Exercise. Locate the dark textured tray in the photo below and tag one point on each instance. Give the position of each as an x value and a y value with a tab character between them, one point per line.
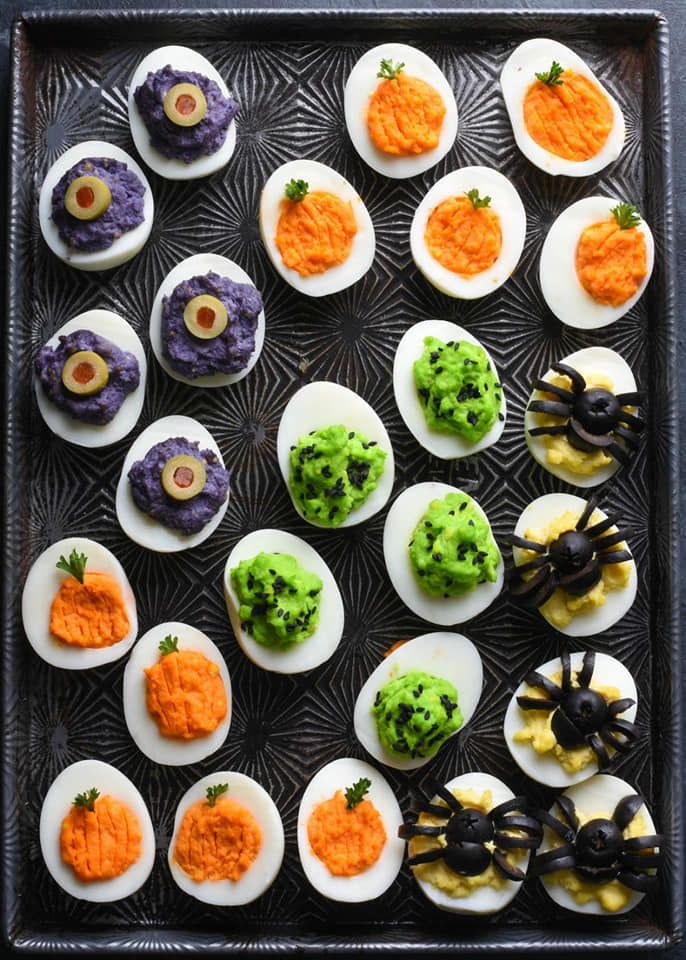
288	69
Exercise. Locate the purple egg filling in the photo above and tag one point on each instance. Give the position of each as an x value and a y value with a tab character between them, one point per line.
123	214
184	143
188	516
98	408
229	352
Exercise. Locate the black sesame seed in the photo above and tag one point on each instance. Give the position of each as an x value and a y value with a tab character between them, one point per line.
463	505
437	557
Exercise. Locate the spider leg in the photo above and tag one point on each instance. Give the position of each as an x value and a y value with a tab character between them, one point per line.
543	594
637	881
536	679
598	747
507	806
551	407
420	804
644	843
585	675
566	671
578	382
631	439
614	741
429	856
615	556
625	727
619	453
633	399
504	865
552	430
611	540
597	873
564	832
631	421
535	703
567	806
559	858
626	810
545	386
519	822
641	861
594	440
619	706
442	791
587	513
534	564
515	843
601	526
524	544
408	830
570	580
533	592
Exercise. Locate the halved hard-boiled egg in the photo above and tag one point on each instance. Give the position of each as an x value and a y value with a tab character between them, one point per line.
467	234
77	606
585	425
315	228
564	121
335	456
96	835
569	715
420	695
285	607
440	553
447	389
181	114
400	110
348	825
573	564
114	391
105	218
177	695
243	840
181	486
596	262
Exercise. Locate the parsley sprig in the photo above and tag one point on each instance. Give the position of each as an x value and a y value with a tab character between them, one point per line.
626	215
389	70
87	799
355	794
297	189
551	78
216	791
478	201
169	645
75	565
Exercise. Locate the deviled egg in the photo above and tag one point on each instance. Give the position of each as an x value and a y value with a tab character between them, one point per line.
467	234
285	607
596	261
335	456
90	379
315	228
244	840
573	564
400	110
95	207
174	489
440	676
181	114
440	553
177	695
563	119
348	825
77	606
96	835
447	389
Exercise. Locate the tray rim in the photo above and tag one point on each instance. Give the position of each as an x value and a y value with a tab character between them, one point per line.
470	938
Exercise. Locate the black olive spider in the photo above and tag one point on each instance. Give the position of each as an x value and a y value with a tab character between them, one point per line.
595	418
581	715
467	830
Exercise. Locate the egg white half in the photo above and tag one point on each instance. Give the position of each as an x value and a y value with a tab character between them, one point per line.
505	201
359	88
324	404
264	869
536	56
40	588
587	361
319	178
200	265
449	656
121	249
560	284
317	648
587	623
447	446
484	899
338	775
170	751
544	768
405	513
181	58
597	796
140	527
118	331
79	778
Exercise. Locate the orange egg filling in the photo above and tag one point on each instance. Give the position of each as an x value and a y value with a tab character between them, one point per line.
90	614
347	842
611	263
102	843
219	842
185	695
405	116
463	240
572	120
315	233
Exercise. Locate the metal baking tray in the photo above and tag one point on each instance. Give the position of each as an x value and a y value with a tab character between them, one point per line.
288	68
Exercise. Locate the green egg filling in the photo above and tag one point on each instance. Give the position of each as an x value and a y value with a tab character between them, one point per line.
457	388
415	713
333	471
278	599
452	548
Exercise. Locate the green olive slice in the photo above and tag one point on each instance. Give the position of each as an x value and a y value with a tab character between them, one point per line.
183	477
85	372
87	198
185	104
205	316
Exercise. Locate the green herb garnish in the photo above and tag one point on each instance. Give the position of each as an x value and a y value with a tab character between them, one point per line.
355	794
297	189
389	70
75	565
626	215
216	791
87	799
551	78
478	201
169	645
